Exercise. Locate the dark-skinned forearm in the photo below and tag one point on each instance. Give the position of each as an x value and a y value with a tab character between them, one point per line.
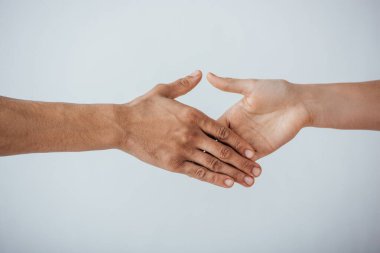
30	127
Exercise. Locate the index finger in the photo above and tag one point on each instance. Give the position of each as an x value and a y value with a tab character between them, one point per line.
227	136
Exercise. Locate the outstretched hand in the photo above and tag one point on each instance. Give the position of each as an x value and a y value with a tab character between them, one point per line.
269	115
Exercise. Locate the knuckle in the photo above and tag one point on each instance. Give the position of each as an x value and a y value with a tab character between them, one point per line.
189	136
223	133
238	144
247	165
214	164
238	176
193	135
213	179
189	151
228	79
159	86
175	164
225	152
184	82
200	173
200	119
191	114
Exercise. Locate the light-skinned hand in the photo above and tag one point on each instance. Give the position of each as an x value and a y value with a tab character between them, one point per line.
269	115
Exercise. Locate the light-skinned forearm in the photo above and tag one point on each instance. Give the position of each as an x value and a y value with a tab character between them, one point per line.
30	127
343	105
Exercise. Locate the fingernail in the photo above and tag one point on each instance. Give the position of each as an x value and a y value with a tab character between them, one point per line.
195	73
248	180
256	171
229	182
249	153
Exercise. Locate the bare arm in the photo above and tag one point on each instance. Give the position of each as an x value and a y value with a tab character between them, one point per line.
155	128
343	105
30	127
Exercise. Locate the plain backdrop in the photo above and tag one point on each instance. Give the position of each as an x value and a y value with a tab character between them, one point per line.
319	193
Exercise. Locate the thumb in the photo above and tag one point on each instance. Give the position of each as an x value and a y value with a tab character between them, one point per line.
242	86
181	86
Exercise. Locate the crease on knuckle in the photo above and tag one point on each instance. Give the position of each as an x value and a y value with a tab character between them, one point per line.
225	152
247	166
223	133
238	144
214	164
213	179
184	82
200	173
238	176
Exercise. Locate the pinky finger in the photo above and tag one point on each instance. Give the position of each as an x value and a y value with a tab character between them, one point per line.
201	173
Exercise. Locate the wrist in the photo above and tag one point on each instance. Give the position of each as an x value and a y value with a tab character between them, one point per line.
103	128
309	97
306	101
122	115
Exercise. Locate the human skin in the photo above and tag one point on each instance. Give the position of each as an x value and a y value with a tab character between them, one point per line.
154	128
272	112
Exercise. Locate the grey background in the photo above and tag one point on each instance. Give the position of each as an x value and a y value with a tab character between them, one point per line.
319	193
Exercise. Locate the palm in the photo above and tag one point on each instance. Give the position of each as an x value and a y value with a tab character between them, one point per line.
267	116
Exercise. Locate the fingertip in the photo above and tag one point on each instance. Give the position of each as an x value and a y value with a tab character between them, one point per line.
228	84
210	74
213	79
195	73
216	81
195	77
249	153
256	171
249	180
229	182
